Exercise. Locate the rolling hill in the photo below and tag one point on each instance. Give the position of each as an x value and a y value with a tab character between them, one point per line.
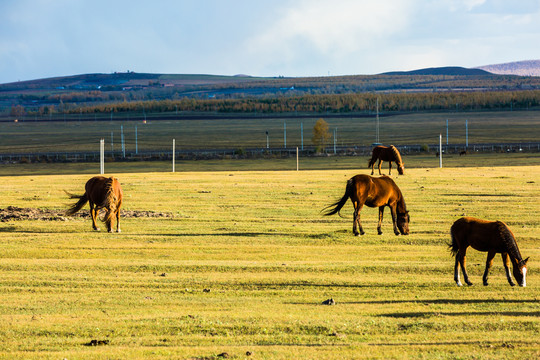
520	68
438	71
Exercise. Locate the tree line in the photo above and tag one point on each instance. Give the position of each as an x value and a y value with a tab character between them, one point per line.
310	103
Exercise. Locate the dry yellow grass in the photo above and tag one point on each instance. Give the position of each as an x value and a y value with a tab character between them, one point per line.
246	261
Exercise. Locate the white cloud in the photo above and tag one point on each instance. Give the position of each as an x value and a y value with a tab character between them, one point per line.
330	28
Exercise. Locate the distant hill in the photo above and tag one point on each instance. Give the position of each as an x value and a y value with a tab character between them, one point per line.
121	80
447	70
521	68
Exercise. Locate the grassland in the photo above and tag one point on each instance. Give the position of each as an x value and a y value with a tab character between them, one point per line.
406	129
246	261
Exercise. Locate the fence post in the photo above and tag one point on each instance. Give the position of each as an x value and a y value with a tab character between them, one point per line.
102	156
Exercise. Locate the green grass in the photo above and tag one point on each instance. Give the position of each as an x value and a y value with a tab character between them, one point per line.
407	129
247	260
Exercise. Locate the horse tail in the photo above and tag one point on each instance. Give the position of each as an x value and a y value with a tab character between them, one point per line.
336	207
453	245
83	199
397	155
374	156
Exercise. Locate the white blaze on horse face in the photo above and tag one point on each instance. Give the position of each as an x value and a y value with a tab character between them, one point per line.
524	277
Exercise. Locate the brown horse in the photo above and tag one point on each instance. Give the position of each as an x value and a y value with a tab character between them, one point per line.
374	192
489	236
101	193
386	153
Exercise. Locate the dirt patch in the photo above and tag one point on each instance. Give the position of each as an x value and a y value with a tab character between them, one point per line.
17	213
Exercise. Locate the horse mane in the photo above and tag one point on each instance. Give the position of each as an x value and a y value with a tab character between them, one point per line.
509	240
397	155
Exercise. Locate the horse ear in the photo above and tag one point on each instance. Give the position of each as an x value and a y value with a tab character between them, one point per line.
525	261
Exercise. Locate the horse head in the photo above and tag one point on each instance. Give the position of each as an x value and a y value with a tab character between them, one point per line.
401	168
520	272
403	222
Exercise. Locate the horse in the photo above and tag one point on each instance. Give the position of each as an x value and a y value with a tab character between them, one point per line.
374	192
488	236
386	153
102	193
463	152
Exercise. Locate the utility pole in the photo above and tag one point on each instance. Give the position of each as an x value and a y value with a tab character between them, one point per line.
377	124
466	134
302	134
122	139
173	151
447	132
440	150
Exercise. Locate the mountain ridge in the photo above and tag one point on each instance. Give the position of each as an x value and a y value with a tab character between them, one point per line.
520	68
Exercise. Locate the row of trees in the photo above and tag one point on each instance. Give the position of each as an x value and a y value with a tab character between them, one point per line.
336	103
342	103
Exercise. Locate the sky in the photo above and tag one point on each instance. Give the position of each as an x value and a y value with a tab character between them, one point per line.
296	38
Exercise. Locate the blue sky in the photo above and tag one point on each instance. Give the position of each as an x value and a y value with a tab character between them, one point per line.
46	38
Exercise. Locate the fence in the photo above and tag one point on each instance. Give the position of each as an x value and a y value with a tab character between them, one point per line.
196	154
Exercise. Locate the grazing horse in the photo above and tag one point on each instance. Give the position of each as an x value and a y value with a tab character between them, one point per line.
101	193
489	236
374	192
386	153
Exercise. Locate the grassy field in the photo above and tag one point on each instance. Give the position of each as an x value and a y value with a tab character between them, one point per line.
408	129
246	260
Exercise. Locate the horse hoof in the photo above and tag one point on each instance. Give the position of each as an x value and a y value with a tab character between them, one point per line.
119	230
469	283
486	284
459	284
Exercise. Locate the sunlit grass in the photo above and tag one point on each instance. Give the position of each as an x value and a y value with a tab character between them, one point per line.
246	261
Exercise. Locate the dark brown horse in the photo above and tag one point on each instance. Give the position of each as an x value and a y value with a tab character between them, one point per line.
386	153
374	192
101	193
492	237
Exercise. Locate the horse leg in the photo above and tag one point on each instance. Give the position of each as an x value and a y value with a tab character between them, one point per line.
394	219
372	166
380	163
356	220
506	262
456	271
118	220
462	262
379	225
489	262
389	168
93	215
108	221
